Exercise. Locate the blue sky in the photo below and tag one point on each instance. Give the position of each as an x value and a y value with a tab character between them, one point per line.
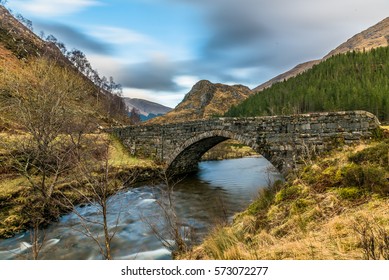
158	49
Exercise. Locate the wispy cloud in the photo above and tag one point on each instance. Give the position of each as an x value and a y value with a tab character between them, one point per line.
250	41
119	36
53	8
76	37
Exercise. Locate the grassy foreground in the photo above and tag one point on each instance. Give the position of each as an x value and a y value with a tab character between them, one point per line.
16	193
335	207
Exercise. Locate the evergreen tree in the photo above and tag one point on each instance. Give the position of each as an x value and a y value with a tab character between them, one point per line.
352	81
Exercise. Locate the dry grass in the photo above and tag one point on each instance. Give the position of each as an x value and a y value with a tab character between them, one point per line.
315	215
329	239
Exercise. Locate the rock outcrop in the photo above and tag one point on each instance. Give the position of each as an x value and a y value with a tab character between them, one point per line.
204	101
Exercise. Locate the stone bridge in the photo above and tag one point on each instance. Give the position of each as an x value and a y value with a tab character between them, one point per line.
283	140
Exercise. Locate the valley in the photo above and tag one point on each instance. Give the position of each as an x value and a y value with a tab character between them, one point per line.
62	167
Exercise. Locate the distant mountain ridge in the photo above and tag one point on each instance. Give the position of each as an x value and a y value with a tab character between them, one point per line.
145	108
373	37
205	100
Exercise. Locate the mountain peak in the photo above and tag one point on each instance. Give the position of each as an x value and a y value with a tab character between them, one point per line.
205	100
204	96
203	86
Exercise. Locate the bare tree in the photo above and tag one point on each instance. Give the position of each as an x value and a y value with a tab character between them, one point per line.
79	60
26	22
166	225
40	97
134	116
98	181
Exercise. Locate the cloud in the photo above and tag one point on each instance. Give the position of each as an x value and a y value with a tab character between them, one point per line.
52	8
75	37
119	36
157	73
278	34
185	81
246	41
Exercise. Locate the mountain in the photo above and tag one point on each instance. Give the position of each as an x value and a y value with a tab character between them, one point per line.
287	75
373	37
205	100
145	108
22	51
22	42
343	82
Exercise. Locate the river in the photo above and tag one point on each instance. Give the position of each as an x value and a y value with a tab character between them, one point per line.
218	191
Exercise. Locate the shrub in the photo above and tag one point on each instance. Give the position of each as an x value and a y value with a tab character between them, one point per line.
288	193
369	177
378	154
350	193
373	238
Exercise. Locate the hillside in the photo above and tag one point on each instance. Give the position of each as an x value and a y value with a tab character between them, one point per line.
205	100
373	37
352	81
21	41
145	108
287	75
22	53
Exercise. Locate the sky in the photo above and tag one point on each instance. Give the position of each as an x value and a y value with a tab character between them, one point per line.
158	49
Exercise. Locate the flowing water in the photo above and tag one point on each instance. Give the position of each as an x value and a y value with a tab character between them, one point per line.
214	194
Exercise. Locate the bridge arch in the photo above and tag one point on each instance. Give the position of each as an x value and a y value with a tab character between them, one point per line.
283	140
186	157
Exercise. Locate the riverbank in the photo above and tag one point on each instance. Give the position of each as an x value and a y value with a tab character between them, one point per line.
17	195
335	207
214	194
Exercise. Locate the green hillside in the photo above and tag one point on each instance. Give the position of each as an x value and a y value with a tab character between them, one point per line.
352	81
